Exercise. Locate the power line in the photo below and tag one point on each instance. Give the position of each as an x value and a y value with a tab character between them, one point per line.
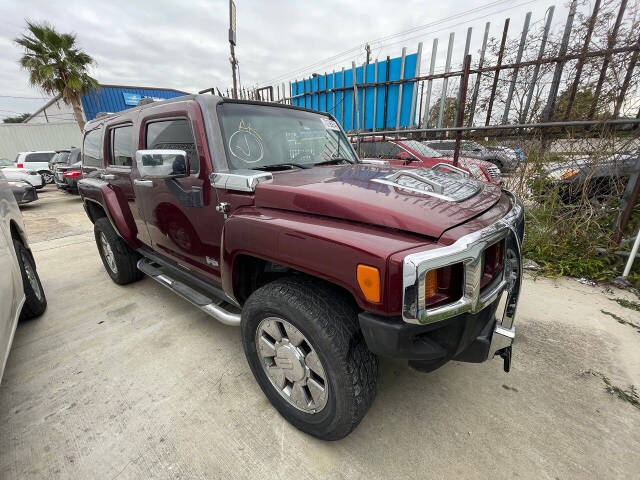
381	40
26	98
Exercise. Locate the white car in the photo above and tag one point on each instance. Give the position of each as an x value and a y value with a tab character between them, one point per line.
21	175
38	162
21	293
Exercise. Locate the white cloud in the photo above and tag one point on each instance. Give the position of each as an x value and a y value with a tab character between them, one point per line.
184	45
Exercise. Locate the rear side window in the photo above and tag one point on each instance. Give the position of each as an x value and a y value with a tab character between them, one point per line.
173	135
388	150
92	149
39	157
121	146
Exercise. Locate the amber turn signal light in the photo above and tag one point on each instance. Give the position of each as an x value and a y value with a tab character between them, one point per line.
430	284
369	281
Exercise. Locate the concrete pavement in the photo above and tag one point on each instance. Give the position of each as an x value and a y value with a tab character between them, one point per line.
133	382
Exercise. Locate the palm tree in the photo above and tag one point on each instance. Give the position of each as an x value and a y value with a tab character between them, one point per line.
56	65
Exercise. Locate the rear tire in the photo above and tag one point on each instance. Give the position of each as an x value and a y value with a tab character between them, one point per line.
325	342
119	259
36	302
47	177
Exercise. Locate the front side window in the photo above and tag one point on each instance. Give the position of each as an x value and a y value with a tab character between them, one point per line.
173	135
92	148
121	146
261	137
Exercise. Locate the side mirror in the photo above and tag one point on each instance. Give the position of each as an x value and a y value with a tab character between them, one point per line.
403	156
162	163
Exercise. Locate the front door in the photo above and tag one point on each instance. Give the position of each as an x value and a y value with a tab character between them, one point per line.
180	212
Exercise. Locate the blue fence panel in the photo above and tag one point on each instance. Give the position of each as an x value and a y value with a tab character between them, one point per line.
115	98
310	93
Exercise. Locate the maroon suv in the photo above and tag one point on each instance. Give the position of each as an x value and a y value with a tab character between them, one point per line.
263	216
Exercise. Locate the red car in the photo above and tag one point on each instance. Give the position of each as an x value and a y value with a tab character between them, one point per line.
413	152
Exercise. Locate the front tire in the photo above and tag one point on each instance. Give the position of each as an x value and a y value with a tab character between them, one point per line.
36	302
303	344
119	259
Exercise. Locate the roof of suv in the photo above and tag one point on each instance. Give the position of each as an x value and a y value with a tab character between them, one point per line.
207	96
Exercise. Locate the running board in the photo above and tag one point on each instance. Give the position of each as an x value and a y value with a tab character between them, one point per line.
204	303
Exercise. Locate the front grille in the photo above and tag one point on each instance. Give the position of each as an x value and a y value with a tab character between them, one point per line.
494	171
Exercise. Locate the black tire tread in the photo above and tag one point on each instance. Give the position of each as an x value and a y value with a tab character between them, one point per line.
336	315
126	257
32	307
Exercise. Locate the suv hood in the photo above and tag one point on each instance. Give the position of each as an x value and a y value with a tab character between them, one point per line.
363	193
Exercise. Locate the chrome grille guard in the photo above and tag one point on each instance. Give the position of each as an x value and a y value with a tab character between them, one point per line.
468	251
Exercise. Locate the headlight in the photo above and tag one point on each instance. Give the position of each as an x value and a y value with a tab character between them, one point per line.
563	174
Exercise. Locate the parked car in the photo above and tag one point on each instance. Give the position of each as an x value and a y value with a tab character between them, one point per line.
36	161
61	157
517	152
588	177
263	216
20	174
21	293
413	152
66	175
506	162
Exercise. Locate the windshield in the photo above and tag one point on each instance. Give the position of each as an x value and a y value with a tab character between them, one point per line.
422	149
260	136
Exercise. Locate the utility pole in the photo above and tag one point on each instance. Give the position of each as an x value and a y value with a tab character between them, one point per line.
367	49
232	44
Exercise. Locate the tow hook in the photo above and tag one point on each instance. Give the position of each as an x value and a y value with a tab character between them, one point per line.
505	353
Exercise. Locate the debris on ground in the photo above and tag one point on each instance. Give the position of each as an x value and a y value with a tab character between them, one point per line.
586	281
530	265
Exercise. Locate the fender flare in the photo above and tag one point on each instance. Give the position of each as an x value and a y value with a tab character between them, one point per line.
116	209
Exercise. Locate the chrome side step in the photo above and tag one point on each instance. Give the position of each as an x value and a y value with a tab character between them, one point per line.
204	303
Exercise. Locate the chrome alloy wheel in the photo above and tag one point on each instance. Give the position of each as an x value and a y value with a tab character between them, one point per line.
108	253
292	364
31	276
47	177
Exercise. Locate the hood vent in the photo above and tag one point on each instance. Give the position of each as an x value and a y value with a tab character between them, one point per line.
450	186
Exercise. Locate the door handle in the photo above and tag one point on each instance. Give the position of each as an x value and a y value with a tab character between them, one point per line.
143	183
107	176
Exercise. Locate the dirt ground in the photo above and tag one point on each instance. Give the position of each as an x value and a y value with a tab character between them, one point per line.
133	382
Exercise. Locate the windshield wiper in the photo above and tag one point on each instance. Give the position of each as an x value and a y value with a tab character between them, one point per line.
333	161
282	166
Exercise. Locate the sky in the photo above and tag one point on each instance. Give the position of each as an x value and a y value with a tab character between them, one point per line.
184	45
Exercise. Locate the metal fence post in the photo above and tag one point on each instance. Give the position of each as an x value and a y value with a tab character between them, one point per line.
536	69
627	79
476	86
445	80
402	62
555	83
580	64
375	95
467	43
412	118
497	74
514	78
464	80
434	51
605	63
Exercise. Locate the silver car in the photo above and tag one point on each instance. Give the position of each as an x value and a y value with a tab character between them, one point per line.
506	161
21	293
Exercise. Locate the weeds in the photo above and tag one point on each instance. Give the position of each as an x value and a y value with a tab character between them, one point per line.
629	395
622	320
628	304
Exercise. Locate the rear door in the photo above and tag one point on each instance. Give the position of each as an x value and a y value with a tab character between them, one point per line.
121	139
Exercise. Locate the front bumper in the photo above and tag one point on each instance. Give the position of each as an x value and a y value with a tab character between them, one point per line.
24	194
473	328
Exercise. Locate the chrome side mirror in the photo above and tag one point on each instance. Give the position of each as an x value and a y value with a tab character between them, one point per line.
162	163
